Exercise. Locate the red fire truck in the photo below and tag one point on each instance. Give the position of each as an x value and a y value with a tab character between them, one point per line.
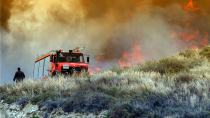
60	62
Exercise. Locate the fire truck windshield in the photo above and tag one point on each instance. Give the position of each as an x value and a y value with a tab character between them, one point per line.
66	57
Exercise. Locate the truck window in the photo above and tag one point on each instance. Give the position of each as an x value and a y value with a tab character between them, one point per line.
71	58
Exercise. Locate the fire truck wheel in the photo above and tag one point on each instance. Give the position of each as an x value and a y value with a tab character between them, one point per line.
53	73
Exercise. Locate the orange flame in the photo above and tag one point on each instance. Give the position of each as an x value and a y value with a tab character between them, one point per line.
132	57
194	39
190	6
205	40
189	36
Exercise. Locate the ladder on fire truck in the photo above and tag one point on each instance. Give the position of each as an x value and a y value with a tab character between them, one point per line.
38	60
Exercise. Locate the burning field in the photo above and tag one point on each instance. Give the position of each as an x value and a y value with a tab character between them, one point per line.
175	87
131	44
120	33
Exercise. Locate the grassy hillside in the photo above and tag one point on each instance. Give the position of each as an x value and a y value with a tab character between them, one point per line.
175	86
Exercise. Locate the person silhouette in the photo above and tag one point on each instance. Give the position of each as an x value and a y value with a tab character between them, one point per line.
19	76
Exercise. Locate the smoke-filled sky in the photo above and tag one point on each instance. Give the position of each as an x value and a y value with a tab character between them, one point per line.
107	28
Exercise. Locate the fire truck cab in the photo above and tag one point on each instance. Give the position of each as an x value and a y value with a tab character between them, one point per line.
65	63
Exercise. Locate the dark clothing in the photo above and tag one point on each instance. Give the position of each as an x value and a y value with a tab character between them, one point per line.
19	76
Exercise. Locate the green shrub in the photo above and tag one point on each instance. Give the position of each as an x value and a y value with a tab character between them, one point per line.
127	110
10	99
35	116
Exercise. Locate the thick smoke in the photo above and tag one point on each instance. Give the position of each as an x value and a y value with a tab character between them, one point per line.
0	57
5	13
106	28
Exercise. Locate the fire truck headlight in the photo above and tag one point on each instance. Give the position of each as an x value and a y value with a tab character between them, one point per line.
65	67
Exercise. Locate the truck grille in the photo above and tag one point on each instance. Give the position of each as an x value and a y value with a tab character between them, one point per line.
71	70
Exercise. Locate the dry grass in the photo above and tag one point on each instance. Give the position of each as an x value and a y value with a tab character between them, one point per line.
179	83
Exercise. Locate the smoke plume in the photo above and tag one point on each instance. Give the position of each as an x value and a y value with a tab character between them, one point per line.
107	28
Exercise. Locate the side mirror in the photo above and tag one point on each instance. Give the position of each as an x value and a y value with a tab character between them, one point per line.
51	58
88	59
55	59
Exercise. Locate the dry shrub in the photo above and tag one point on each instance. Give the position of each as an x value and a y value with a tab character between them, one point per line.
205	52
184	78
166	66
189	53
